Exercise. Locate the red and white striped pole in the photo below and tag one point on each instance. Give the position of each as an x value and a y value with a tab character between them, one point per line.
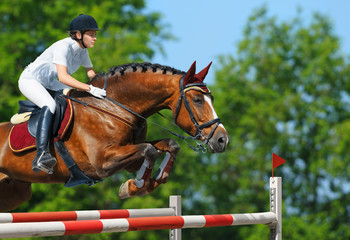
84	215
59	228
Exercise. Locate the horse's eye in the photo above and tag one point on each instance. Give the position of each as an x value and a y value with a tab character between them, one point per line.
198	100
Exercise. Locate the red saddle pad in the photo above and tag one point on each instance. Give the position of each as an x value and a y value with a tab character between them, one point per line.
20	139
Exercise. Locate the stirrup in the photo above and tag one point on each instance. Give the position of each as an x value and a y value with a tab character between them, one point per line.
38	164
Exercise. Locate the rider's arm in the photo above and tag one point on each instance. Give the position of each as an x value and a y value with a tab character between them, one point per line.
90	72
68	80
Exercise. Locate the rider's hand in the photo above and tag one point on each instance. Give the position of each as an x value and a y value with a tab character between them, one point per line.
97	92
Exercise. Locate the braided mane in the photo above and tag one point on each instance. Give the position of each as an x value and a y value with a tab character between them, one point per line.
144	67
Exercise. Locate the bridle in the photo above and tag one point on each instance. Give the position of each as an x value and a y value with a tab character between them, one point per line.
199	128
200	145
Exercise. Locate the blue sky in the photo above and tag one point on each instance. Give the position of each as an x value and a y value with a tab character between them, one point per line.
206	29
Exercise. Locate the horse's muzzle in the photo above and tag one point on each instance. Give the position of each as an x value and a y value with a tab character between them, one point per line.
219	141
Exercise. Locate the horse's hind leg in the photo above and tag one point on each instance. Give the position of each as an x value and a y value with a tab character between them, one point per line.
13	193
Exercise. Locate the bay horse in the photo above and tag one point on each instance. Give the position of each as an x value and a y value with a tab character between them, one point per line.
102	145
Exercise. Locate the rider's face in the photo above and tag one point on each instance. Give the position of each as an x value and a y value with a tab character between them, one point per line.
89	38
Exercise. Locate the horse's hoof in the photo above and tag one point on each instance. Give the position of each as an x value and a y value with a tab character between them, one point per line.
124	190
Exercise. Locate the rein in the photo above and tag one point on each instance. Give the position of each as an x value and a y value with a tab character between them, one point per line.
199	147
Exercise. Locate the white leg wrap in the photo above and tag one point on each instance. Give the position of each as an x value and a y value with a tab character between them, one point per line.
163	166
139	183
142	174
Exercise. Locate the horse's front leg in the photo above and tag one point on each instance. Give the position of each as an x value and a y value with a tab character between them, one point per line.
143	183
171	148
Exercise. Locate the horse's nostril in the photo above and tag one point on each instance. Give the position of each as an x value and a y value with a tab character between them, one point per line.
222	142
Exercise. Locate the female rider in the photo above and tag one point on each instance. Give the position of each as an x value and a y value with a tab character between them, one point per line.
60	60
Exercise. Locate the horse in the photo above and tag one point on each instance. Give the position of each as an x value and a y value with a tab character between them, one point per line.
113	138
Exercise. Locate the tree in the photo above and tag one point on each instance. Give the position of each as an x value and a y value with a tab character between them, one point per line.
287	91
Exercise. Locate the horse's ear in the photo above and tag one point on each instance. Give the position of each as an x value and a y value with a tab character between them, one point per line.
201	75
190	73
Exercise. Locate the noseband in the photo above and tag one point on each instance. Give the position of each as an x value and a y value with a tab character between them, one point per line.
199	128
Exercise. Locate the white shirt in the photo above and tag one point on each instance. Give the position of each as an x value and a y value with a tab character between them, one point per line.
66	52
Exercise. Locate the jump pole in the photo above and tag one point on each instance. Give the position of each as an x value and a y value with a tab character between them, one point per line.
85	215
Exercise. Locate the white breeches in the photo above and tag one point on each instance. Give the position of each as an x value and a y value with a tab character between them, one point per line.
37	93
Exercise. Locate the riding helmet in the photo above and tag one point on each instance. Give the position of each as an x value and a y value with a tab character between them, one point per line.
83	23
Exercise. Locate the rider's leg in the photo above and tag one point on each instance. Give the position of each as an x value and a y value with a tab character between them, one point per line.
36	93
43	160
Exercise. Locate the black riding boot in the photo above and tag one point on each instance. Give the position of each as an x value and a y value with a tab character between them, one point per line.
43	160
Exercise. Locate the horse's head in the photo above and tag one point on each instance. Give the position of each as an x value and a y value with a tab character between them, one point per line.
195	112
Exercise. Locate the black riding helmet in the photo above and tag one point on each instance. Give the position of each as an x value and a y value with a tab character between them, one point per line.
83	23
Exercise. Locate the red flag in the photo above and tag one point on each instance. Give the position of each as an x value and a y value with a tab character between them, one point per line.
277	160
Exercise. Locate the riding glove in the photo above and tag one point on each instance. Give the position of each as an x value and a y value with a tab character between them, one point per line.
97	92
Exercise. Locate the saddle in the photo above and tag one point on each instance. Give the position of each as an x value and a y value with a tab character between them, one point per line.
23	133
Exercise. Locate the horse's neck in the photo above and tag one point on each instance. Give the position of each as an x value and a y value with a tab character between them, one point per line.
147	93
